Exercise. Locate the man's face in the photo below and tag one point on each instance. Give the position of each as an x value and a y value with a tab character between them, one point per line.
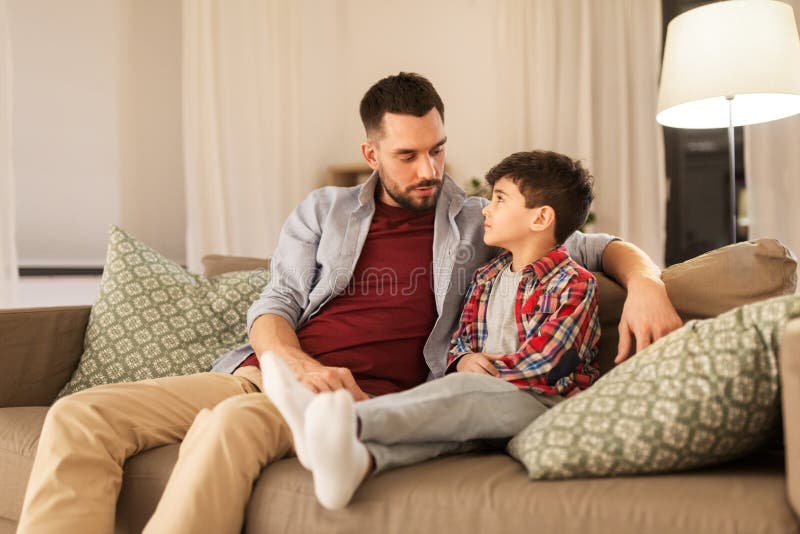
409	155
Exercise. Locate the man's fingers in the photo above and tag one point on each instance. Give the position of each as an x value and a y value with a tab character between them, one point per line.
320	381
624	346
331	379
643	339
307	382
350	384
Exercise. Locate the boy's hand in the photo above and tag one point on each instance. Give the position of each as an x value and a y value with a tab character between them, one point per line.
478	362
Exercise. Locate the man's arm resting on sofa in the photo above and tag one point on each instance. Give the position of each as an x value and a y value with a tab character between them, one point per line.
273	333
648	313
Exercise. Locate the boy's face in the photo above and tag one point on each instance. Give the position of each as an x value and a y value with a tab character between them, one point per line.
409	155
508	222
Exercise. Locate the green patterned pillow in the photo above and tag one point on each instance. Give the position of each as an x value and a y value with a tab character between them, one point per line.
152	318
704	394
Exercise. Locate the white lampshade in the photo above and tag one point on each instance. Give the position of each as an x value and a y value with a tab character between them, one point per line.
748	49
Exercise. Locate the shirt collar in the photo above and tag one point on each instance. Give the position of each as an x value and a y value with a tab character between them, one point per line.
541	268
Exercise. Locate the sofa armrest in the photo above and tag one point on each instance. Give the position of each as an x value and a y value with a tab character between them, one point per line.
39	350
790	387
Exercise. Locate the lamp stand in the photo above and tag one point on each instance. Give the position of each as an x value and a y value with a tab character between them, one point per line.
732	162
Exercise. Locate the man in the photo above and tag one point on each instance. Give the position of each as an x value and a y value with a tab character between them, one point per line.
366	289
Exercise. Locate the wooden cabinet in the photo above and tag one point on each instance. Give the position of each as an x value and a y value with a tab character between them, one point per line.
347	175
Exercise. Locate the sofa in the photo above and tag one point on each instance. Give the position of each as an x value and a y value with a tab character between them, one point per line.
488	492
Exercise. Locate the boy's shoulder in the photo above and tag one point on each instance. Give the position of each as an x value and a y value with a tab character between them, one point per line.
576	269
567	273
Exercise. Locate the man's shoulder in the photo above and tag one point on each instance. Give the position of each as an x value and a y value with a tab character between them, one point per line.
330	193
324	199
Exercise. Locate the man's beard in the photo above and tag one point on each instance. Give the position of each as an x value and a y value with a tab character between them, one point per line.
403	197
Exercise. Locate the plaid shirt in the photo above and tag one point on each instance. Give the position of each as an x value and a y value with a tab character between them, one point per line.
557	324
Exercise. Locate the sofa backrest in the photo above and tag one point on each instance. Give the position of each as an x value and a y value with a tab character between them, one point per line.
701	287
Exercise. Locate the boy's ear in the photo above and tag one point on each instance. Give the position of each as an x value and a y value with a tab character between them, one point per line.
369	151
544	218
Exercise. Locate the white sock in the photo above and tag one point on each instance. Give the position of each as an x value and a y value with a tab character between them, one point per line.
339	461
290	397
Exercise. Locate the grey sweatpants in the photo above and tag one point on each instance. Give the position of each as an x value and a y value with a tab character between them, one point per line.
457	413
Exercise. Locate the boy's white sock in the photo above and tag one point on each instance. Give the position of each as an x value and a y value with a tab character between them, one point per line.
290	397
339	461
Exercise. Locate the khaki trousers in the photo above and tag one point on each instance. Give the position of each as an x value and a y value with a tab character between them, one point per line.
229	431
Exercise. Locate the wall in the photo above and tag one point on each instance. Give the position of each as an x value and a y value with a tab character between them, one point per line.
98	108
153	206
350	44
97	113
96	127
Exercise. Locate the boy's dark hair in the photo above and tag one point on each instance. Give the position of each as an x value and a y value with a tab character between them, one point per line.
406	93
550	179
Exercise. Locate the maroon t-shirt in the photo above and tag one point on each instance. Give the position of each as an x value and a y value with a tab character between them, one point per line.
378	326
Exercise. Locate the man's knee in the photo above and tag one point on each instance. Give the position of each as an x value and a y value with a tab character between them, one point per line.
246	412
83	407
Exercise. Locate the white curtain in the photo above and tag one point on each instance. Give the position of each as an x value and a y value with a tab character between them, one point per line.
581	77
240	118
8	249
772	168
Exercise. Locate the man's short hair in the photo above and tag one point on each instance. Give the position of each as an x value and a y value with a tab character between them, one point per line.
406	93
550	179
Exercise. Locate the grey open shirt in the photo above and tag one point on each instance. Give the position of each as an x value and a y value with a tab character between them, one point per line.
321	241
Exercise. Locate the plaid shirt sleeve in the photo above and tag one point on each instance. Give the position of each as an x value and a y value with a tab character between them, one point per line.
563	341
461	342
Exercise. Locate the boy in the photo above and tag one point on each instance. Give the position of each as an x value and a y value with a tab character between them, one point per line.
527	338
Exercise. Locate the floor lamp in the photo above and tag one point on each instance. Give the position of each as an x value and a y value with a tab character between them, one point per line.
727	64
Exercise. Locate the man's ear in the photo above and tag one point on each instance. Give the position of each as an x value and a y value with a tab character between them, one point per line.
369	151
544	218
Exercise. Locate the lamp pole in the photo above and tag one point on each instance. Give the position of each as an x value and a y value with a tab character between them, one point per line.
732	163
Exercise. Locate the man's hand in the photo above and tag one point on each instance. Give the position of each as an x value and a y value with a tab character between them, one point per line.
478	362
319	378
273	333
647	315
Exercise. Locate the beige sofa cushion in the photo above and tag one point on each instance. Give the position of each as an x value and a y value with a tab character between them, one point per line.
145	475
143	481
491	493
729	277
467	493
19	437
215	264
